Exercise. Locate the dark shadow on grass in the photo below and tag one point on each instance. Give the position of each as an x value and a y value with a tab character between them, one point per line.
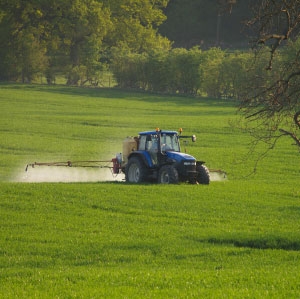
266	242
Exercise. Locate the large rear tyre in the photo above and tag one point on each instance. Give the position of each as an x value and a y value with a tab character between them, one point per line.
203	176
135	171
168	175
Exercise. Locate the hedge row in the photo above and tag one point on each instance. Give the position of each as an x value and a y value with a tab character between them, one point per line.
214	73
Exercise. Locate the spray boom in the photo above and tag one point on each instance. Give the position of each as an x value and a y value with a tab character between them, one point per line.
113	164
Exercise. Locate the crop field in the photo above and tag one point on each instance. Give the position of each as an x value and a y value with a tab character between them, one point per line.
78	233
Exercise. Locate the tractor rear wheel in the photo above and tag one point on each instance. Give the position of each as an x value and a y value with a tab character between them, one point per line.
135	171
168	175
203	176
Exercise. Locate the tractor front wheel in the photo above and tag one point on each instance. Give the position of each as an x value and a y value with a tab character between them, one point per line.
168	175
135	171
203	176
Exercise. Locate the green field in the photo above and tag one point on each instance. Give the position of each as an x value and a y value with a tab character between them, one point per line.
98	237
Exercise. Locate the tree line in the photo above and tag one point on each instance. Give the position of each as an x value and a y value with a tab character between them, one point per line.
214	73
78	39
74	37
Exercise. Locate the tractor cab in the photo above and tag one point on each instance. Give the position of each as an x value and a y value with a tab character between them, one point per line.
157	143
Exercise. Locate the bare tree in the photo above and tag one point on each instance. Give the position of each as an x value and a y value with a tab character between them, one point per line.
271	103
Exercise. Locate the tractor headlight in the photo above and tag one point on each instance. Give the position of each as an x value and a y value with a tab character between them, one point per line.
189	163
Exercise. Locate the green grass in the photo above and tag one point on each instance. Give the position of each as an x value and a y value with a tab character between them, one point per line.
238	238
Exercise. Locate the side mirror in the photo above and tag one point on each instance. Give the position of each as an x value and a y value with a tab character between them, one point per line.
194	138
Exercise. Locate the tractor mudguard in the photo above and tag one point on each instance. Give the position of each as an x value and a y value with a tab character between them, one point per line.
144	156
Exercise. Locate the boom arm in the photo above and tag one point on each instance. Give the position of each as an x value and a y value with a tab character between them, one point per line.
113	164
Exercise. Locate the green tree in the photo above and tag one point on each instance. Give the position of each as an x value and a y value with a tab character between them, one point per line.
184	72
49	35
157	71
211	68
234	73
23	49
129	68
135	24
82	33
72	36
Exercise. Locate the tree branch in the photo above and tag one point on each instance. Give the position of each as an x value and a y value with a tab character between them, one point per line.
292	135
297	119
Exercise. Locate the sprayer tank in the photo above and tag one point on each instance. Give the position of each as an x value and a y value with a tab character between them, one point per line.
129	145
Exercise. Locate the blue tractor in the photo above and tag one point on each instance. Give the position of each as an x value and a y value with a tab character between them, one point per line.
155	156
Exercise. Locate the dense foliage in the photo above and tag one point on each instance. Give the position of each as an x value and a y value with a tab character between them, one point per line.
214	72
72	37
76	39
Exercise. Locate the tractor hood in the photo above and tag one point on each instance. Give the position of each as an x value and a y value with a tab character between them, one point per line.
178	157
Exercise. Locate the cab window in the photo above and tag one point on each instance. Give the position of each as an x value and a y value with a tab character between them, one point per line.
142	143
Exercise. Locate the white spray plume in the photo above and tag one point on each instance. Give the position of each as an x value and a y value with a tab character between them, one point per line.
41	174
217	176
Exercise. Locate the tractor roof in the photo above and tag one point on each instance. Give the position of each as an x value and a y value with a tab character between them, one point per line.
160	131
